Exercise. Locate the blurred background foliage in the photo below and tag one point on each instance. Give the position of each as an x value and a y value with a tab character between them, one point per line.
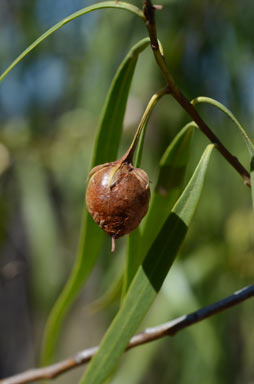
50	105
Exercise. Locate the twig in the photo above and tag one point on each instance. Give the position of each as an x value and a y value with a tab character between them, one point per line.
149	13
150	334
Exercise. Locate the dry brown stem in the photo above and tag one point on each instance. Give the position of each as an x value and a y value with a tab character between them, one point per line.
149	13
150	334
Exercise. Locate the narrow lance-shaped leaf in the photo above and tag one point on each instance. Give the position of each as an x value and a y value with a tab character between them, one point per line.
170	181
248	141
144	121
222	108
252	179
92	236
148	280
173	166
41	229
132	259
73	16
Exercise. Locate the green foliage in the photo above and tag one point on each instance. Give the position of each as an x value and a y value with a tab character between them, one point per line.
73	16
43	234
172	170
227	112
91	239
252	179
243	132
170	180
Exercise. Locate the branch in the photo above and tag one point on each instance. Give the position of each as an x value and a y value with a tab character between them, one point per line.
167	329
149	13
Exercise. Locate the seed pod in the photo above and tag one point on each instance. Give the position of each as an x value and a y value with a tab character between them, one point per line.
118	194
117	197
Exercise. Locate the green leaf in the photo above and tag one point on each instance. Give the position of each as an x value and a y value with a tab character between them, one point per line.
143	124
92	236
73	16
248	141
148	280
221	107
252	179
132	259
173	166
41	229
170	181
169	304
107	140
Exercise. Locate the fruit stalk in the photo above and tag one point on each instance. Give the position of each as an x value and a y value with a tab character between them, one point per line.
118	194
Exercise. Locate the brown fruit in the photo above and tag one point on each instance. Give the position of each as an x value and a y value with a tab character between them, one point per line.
117	197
